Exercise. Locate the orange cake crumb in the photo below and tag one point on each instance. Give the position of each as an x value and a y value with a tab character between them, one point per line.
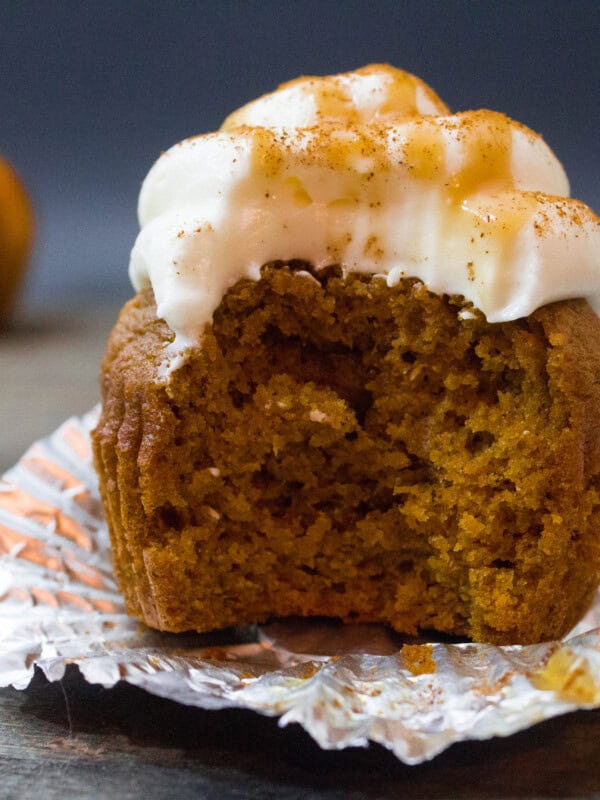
340	447
418	658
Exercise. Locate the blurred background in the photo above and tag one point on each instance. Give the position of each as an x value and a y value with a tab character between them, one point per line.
92	92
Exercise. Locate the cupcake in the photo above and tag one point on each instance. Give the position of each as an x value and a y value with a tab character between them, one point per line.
361	373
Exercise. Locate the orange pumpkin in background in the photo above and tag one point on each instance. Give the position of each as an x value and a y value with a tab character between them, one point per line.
16	236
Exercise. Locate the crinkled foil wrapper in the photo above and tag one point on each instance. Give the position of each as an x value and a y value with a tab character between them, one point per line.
346	685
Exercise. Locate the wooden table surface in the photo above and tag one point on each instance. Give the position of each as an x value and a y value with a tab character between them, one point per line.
73	740
49	364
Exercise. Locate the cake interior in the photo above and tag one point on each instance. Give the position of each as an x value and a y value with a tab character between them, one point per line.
344	448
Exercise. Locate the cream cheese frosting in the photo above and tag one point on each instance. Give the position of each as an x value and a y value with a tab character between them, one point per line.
368	170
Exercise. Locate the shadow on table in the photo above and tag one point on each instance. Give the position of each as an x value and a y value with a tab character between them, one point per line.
124	733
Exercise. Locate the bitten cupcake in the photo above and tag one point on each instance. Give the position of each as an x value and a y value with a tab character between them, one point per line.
361	374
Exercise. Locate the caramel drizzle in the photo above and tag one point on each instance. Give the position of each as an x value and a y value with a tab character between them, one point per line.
356	144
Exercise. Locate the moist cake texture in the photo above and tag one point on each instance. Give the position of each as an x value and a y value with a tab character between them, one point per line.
340	447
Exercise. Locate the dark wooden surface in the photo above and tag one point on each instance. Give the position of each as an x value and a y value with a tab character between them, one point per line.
73	740
49	365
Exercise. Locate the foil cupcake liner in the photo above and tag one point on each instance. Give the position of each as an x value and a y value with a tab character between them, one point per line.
346	685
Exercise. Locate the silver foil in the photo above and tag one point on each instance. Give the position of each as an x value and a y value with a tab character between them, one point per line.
346	685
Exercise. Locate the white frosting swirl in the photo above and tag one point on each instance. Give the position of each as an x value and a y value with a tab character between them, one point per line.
367	170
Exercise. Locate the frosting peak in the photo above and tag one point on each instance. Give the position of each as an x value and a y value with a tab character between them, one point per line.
368	170
376	92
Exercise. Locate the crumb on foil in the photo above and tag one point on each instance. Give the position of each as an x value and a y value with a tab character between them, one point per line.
570	676
418	659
